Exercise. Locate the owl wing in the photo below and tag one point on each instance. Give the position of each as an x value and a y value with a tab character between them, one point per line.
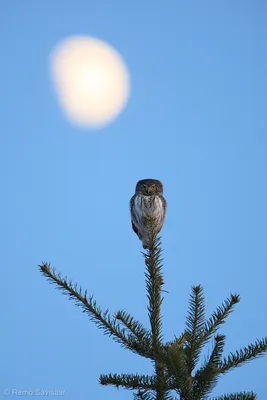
134	215
164	206
164	203
134	228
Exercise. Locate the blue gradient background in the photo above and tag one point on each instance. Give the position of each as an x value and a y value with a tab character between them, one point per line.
196	120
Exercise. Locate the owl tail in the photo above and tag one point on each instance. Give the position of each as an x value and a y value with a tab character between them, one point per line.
145	245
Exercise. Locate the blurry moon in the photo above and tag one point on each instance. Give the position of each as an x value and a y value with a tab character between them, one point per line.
91	80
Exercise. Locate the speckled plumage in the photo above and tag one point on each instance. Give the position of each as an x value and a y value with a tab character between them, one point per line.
147	201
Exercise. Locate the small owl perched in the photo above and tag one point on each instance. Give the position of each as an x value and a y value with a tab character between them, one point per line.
148	201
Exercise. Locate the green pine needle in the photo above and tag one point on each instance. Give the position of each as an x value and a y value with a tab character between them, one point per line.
237	396
244	355
218	318
135	327
206	377
144	395
177	370
194	324
101	318
129	381
137	332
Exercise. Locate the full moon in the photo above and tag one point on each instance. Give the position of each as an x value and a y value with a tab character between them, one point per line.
91	80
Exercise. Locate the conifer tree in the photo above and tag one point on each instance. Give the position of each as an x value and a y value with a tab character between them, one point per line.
176	363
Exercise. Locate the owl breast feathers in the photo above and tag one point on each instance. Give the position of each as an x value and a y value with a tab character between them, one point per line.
148	201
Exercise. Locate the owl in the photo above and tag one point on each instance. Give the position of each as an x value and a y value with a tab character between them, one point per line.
148	201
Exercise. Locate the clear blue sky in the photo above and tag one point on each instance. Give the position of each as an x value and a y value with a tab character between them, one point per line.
196	120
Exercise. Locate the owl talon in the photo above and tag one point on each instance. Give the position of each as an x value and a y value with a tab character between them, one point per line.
162	281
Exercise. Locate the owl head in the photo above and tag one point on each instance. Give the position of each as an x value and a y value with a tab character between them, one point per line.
149	186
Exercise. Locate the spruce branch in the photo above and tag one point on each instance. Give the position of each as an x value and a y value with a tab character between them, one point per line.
135	327
218	318
144	394
138	334
102	319
154	283
237	396
129	381
134	381
244	355
174	361
206	377
177	370
194	323
178	342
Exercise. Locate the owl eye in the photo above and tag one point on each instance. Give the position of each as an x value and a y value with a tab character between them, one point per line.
153	187
144	187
